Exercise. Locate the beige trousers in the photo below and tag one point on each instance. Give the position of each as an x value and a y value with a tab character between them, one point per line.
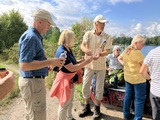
33	93
65	111
87	80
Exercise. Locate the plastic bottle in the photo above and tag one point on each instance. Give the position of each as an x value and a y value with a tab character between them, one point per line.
94	84
63	55
115	81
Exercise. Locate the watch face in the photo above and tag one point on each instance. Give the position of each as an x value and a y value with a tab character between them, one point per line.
3	72
2	69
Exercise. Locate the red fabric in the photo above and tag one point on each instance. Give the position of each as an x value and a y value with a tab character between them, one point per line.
79	73
61	87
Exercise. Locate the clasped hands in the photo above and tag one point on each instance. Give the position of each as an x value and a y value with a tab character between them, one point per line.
95	56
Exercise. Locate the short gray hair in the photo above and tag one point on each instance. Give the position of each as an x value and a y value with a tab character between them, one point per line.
116	47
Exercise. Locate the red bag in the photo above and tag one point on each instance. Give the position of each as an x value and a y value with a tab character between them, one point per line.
79	73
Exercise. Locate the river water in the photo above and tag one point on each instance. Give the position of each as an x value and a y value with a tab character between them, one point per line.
145	50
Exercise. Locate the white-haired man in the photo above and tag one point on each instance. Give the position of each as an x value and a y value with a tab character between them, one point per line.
95	43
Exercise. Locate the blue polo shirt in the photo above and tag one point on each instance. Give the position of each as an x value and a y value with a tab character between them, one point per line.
30	48
70	57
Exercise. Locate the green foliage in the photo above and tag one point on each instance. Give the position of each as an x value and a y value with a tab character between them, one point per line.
123	40
2	66
79	29
153	41
78	93
51	43
50	78
11	27
11	54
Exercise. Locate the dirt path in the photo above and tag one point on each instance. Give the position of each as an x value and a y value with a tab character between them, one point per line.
15	110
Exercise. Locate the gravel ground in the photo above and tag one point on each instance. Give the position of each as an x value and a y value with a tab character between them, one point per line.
15	110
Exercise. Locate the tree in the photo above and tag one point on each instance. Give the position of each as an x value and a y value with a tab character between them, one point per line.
122	40
11	27
51	42
79	29
11	54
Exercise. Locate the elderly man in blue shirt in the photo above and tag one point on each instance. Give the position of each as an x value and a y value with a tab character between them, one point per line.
34	66
114	66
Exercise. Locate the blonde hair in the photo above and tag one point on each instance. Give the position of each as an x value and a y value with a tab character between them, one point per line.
66	38
138	38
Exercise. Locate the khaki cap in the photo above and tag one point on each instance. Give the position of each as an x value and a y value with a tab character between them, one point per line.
45	15
101	19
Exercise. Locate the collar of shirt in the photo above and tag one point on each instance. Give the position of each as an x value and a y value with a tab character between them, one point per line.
113	55
94	31
36	32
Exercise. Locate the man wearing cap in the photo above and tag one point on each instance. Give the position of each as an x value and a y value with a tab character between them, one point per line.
95	43
34	66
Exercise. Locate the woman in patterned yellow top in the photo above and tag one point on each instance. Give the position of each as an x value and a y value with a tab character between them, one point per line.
132	59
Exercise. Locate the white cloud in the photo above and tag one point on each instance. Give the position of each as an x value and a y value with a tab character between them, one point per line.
153	29
158	29
64	13
125	1
67	12
114	29
136	29
149	30
95	7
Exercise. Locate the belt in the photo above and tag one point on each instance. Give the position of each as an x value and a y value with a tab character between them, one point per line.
35	77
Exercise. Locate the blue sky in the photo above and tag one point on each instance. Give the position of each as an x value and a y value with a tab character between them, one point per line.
126	17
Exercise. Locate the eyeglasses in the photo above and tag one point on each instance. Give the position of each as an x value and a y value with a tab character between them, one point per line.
45	20
118	50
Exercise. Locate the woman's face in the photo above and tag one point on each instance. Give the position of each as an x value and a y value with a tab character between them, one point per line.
140	45
71	42
117	52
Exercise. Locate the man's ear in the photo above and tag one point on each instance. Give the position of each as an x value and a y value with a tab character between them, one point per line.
95	23
40	21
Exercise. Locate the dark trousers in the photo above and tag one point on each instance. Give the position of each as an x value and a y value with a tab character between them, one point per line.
155	103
